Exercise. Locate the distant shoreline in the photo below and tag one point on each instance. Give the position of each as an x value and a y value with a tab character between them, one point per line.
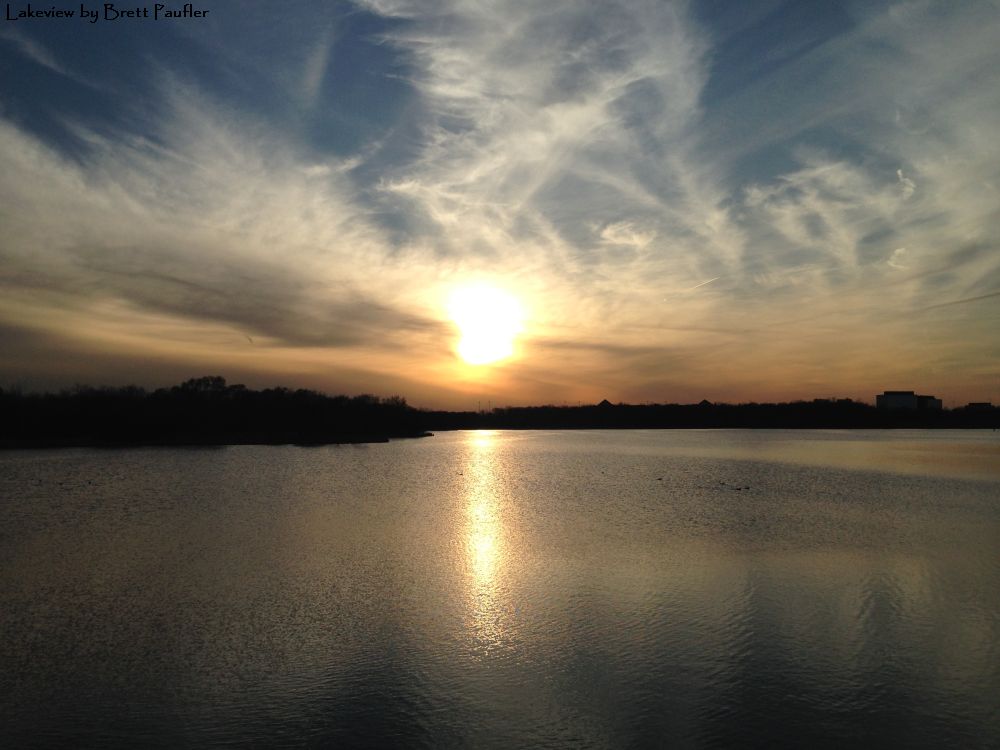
53	444
206	411
843	415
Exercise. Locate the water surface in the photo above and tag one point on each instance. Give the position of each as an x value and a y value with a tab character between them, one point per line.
507	589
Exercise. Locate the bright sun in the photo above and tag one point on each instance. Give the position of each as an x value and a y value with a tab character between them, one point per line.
488	320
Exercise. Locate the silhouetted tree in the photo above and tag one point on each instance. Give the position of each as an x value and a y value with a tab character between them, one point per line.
201	410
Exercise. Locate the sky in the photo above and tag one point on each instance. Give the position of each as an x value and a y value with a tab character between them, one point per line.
749	201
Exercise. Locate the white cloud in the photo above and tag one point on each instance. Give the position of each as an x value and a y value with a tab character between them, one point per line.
906	185
626	233
897	258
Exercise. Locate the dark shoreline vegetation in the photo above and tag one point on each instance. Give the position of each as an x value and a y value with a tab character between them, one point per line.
200	411
207	411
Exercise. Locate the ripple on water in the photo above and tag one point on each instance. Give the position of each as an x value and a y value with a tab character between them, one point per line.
629	588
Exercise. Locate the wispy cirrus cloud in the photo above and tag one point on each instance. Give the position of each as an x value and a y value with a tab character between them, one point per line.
557	133
203	217
666	234
40	54
559	139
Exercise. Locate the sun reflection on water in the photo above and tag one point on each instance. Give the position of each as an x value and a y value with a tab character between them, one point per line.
484	544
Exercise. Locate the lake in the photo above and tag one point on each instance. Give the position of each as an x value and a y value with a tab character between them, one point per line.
701	588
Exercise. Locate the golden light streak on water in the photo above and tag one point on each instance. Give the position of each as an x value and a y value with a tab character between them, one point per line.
484	545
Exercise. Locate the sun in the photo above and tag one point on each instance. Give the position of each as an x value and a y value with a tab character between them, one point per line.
488	319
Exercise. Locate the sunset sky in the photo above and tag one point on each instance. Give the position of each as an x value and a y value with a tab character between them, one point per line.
659	201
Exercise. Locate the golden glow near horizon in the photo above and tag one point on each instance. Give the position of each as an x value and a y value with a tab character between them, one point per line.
489	320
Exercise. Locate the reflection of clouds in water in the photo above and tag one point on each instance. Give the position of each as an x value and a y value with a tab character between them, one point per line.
484	544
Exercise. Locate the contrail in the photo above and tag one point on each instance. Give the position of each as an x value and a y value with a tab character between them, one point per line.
698	286
959	301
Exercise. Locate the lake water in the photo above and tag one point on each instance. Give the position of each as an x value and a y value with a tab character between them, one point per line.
507	589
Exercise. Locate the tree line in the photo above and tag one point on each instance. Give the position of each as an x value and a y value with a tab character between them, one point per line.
208	411
201	410
817	414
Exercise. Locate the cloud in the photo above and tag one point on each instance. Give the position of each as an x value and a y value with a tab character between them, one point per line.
202	218
627	234
572	151
554	137
907	186
536	149
41	55
315	68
